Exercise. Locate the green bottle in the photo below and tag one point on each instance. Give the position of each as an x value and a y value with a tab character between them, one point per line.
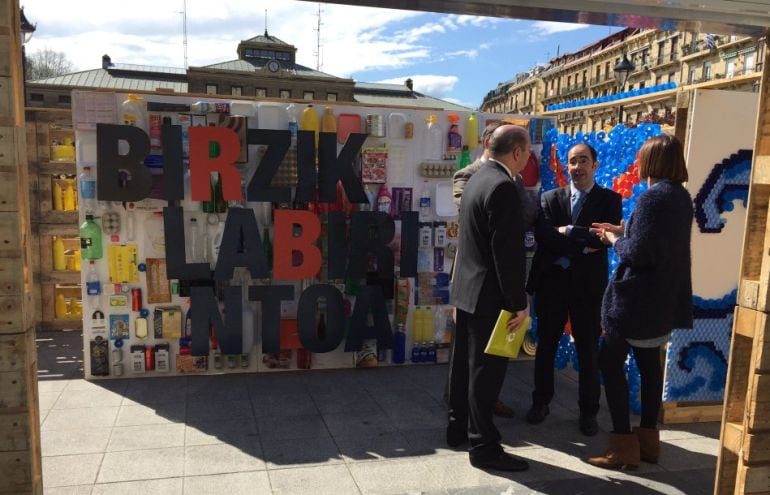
465	158
267	248
90	239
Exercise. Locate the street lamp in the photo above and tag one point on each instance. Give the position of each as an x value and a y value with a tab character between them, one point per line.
623	69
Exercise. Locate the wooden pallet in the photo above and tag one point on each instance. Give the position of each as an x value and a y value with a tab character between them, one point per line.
743	466
673	413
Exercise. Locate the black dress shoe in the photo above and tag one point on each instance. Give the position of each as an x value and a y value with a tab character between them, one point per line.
456	437
537	414
502	462
588	425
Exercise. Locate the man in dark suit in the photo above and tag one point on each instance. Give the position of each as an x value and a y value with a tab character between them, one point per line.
568	278
488	277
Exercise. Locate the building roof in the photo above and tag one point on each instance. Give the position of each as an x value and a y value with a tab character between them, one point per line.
122	79
240	65
149	78
266	38
398	95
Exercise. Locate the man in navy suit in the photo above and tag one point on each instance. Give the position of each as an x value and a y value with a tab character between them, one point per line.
568	277
489	275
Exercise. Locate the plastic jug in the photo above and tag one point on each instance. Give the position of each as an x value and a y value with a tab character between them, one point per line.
472	132
434	140
134	112
59	260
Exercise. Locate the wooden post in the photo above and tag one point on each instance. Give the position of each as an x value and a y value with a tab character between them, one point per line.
20	459
743	466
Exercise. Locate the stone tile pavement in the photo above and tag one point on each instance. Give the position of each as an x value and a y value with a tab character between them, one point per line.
374	431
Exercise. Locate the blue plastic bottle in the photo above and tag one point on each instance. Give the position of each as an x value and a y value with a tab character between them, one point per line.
399	345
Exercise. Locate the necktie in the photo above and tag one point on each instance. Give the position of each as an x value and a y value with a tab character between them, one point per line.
577	203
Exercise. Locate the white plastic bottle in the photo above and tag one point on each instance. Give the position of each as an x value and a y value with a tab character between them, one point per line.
87	190
434	140
425	203
134	112
194	239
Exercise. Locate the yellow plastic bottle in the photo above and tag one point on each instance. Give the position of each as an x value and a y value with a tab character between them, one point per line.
60	308
59	260
472	132
328	121
309	121
77	260
58	205
69	197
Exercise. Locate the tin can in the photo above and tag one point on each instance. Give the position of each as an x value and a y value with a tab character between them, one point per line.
117	355
136	299
149	358
408	130
375	125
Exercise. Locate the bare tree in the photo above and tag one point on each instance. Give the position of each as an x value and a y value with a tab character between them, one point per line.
47	63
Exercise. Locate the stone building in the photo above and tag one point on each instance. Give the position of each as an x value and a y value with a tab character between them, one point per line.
658	57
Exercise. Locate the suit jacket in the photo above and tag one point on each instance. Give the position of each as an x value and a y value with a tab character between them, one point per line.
601	205
651	291
490	265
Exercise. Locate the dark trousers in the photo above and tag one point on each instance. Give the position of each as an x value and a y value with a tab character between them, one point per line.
475	379
559	295
612	359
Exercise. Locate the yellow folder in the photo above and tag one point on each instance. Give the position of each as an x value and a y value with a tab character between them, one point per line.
504	343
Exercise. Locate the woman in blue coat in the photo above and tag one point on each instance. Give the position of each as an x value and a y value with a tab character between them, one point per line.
649	295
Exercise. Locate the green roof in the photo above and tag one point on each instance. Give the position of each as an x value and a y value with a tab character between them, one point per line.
240	65
101	78
266	38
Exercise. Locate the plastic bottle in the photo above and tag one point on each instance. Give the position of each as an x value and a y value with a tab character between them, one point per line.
58	204
59	261
93	286
194	239
188	321
399	345
69	197
328	121
309	121
454	139
371	197
291	112
60	306
465	158
267	248
472	132
216	239
434	141
425	206
90	239
134	112
87	189
247	322
384	200
130	223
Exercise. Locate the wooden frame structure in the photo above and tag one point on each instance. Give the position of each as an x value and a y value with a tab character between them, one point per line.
744	456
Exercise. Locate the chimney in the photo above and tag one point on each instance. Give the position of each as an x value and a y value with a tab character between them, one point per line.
106	62
409	84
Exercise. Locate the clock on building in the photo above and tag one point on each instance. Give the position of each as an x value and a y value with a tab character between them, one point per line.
273	66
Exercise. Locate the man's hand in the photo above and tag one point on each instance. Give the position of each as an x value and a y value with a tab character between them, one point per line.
517	319
563	230
608	233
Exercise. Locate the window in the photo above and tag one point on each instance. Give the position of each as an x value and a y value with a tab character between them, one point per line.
645	54
585	76
658	79
607	70
706	71
236	90
674	48
285	94
260	92
569	81
642	85
598	71
331	96
730	67
65	99
211	89
748	63
671	76
308	95
691	76
36	97
661	51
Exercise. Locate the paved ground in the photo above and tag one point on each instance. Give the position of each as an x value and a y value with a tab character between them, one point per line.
377	431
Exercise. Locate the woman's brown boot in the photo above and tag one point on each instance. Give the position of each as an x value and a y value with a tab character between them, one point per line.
649	444
622	452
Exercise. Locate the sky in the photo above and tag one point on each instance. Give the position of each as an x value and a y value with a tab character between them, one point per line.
454	57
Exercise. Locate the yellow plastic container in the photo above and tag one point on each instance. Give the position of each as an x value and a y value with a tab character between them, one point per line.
60	309
59	260
309	121
328	121
69	196
472	132
58	200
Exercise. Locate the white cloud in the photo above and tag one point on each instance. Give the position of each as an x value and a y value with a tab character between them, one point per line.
415	34
433	85
547	27
463	53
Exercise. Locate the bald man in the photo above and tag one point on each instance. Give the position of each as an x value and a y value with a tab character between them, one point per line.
489	276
